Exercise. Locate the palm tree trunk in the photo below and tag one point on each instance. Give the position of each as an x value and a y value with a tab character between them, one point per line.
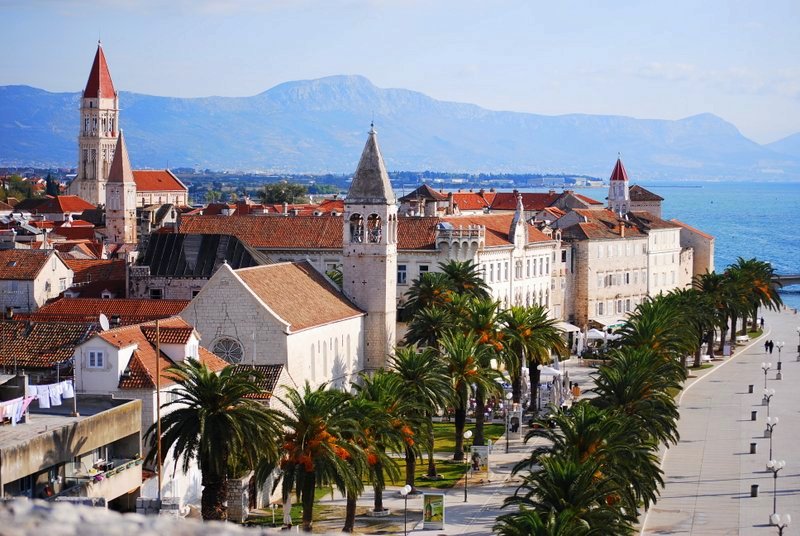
734	321
411	466
309	482
723	334
212	500
535	374
710	343
480	415
460	422
431	460
350	513
516	387
377	505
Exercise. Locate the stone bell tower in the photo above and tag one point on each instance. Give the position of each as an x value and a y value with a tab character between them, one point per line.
619	197
121	198
369	267
97	138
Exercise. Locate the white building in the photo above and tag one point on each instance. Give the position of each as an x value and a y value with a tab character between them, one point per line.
30	277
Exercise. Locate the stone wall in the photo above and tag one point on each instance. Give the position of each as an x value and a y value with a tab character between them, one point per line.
239	498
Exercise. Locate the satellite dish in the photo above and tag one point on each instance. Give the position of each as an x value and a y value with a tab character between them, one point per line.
104	322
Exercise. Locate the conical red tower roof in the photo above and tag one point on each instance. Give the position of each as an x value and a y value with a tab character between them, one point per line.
619	173
99	84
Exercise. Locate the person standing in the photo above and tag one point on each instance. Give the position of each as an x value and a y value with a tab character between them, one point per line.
762	322
766	346
771	346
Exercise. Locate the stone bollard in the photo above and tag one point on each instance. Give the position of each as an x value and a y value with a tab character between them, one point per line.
779	376
750	388
754	490
753	415
753	448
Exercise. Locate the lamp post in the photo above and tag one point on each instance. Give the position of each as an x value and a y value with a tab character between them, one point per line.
775	466
779	344
765	367
772	422
404	493
768	394
509	396
780	521
467	435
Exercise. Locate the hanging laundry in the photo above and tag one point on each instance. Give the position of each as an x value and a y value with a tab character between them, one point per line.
67	389
54	391
43	394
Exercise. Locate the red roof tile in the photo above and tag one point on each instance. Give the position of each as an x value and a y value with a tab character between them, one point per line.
63	204
168	334
497	227
129	311
473	200
588	199
284	286
161	180
75	233
692	229
22	264
530	200
99	84
41	344
637	193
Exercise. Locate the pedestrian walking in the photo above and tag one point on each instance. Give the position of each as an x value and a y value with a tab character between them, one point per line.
771	346
766	346
762	322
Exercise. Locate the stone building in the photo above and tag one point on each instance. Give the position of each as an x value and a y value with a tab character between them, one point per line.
643	200
30	277
121	198
702	246
281	314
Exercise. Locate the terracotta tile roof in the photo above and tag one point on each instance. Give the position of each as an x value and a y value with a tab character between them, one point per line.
298	294
87	270
129	311
5	206
34	344
302	232
473	200
637	193
160	180
168	334
648	221
600	225
99	84
70	249
530	200
424	192
497	227
215	209
22	264
331	205
62	204
75	233
692	229
30	204
266	379
141	371
587	199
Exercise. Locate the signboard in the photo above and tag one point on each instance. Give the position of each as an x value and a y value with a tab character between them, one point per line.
433	510
514	424
480	461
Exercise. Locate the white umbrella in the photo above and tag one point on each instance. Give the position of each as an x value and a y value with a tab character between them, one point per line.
595	335
544	370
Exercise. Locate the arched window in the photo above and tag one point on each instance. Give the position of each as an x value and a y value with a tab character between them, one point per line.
374	229
229	349
313	357
356	229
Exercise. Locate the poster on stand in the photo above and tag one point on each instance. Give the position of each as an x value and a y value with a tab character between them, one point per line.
433	510
480	461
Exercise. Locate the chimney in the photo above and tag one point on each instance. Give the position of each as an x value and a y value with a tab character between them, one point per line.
450	207
622	230
285	207
116	320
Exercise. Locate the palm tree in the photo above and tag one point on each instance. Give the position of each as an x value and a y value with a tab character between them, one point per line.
424	382
210	421
465	278
316	449
640	383
531	337
698	315
431	289
711	286
760	286
579	490
463	355
527	522
428	325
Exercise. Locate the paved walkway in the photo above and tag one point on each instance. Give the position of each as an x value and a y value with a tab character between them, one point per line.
708	474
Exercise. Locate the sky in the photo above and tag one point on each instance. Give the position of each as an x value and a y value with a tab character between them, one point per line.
645	59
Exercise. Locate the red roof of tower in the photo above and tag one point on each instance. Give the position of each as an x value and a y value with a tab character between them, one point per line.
99	83
619	173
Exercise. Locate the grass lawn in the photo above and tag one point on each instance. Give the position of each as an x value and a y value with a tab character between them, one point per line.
320	511
449	471
445	434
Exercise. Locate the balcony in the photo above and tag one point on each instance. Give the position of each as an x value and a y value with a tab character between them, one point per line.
109	481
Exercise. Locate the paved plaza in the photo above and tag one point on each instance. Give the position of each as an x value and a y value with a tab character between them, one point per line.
709	473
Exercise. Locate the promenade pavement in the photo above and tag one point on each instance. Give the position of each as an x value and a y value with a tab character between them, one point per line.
708	474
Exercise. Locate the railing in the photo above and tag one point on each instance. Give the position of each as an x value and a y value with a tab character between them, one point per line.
80	482
460	233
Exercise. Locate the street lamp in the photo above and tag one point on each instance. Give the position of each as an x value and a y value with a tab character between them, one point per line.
404	492
467	435
780	521
509	396
772	422
775	466
768	394
779	344
765	367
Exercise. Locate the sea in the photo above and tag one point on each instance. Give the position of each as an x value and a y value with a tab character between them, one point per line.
748	219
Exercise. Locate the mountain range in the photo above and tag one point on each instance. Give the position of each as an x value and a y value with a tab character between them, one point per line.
320	126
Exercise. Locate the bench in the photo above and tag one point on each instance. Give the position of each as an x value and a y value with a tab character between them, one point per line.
741	339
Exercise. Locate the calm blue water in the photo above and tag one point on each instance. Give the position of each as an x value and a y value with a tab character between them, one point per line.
748	220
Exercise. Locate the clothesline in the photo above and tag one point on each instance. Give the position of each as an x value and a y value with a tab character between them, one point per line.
51	394
14	409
